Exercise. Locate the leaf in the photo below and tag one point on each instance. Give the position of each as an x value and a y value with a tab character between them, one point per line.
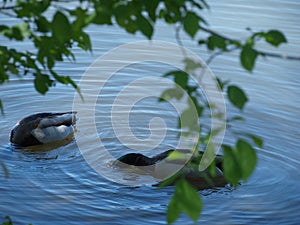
174	210
84	41
61	27
144	26
151	7
180	77
171	93
247	57
191	23
191	65
190	200
42	83
275	37
1	107
258	141
189	119
215	41
237	96
8	222
43	24
246	156
231	167
186	199
221	83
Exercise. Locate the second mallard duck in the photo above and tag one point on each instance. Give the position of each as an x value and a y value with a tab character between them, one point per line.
200	180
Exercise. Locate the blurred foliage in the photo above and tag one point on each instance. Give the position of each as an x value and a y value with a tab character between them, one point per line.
8	221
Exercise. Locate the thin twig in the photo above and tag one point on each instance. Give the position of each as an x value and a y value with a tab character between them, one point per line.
211	58
274	55
178	39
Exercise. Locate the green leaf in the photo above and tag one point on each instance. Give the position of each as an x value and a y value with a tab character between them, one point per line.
189	119
43	24
231	168
144	26
258	141
121	15
17	32
191	23
246	156
221	83
186	199
237	96
42	83
61	27
8	222
190	200
215	41
1	107
180	77
151	7
191	65
247	57
171	93
174	210
239	162
275	37
84	41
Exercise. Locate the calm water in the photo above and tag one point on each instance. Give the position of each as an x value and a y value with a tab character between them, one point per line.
52	187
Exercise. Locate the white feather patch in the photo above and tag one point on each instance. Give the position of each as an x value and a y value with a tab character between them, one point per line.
46	122
51	134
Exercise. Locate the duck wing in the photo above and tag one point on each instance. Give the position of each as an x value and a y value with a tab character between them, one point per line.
53	127
55	119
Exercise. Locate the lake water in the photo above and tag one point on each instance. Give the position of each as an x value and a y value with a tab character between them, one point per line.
59	187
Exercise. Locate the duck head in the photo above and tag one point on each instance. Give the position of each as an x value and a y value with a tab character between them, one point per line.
136	159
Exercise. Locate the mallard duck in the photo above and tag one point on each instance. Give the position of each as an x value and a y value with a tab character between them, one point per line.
200	180
42	128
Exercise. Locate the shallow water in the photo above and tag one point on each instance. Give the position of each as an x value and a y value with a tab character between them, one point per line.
52	187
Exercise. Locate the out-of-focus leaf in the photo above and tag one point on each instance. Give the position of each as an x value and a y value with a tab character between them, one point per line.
144	26
237	96
246	156
232	171
1	107
275	37
180	77
61	27
191	23
238	162
8	222
247	57
215	41
174	210
42	83
258	141
43	24
189	119
186	199
171	93
191	65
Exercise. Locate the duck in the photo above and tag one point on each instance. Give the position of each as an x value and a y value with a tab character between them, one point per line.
43	128
199	180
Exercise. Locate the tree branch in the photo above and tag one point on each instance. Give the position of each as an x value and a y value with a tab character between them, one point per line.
262	53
